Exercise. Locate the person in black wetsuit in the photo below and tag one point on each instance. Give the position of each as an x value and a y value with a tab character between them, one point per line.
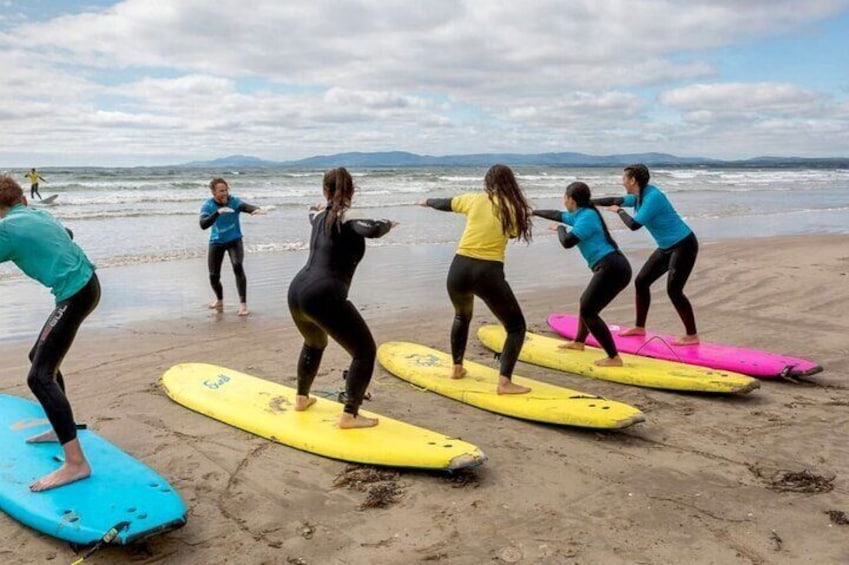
611	270
221	213
493	217
318	296
676	253
43	249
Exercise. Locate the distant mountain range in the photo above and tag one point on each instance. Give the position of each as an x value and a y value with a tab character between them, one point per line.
405	159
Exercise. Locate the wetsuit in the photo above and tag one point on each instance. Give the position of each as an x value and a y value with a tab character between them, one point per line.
478	270
226	236
676	253
611	270
43	250
319	305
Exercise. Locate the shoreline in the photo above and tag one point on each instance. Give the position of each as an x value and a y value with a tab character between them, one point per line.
696	479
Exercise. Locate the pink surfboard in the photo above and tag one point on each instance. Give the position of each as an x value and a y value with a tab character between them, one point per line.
761	364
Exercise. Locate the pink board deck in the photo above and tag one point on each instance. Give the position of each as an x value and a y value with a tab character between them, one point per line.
752	362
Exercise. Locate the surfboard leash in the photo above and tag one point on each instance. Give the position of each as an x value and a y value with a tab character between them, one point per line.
663	341
107	538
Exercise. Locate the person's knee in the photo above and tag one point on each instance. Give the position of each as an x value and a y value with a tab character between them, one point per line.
238	269
214	278
38	379
516	325
641	283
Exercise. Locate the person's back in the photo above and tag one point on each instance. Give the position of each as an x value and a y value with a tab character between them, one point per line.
334	251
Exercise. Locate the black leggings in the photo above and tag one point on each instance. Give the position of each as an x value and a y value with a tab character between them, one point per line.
33	191
610	276
679	261
321	308
236	251
45	379
470	277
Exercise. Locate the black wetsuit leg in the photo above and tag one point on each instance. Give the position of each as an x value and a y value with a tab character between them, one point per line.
610	276
214	258
681	263
321	309
678	260
236	251
470	277
44	379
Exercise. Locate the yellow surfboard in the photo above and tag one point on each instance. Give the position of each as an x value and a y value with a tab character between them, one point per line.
266	409
637	371
430	368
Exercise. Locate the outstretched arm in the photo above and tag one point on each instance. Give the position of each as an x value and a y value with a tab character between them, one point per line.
443	204
553	215
632	224
609	201
371	228
251	209
567	238
207	221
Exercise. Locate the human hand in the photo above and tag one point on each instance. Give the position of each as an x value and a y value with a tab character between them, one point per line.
614	208
225	210
422	203
393	224
553	227
259	212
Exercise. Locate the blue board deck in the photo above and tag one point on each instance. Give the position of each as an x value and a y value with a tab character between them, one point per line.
120	489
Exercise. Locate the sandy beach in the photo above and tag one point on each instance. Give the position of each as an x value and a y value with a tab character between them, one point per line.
699	482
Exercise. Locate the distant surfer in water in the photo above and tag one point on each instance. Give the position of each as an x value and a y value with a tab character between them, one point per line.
34	177
611	270
493	217
221	213
43	249
318	296
676	253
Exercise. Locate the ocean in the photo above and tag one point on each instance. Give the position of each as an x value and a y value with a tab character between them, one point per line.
140	226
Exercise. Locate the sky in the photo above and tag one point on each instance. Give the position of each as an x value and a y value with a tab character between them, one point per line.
146	82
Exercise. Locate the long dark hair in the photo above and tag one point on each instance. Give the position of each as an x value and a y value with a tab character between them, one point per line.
338	189
580	193
513	209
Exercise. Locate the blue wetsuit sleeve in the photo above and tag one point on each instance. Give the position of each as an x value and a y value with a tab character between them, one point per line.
443	204
370	228
609	201
567	238
553	215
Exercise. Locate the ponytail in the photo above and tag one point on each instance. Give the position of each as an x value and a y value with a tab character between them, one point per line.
580	193
338	189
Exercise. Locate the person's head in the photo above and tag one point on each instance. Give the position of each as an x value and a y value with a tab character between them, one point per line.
635	178
339	191
11	194
503	190
32	170
220	190
577	196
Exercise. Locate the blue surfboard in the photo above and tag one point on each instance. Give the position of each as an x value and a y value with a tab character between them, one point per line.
122	492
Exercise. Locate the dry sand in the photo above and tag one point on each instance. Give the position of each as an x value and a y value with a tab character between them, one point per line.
691	485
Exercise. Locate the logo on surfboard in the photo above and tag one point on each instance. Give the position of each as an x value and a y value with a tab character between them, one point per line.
217	382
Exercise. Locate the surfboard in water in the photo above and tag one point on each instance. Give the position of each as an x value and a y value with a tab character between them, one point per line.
266	409
49	200
638	371
430	368
122	492
752	362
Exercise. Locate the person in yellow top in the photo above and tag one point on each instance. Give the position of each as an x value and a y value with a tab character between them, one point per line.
34	177
493	217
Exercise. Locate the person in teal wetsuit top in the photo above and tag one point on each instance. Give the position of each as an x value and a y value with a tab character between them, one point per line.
43	249
221	213
676	253
611	270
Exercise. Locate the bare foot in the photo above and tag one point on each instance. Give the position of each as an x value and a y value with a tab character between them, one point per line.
574	345
687	340
243	310
458	372
633	331
349	421
506	386
217	305
66	474
609	362
47	437
303	402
